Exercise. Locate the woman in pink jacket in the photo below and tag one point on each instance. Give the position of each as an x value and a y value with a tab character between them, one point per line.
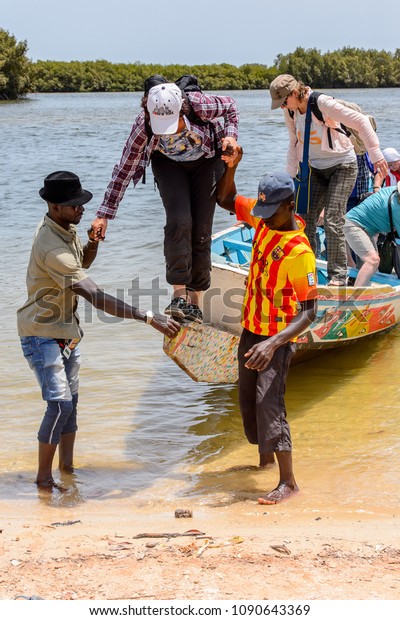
332	160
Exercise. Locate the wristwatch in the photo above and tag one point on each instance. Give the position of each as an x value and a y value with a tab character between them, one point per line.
149	317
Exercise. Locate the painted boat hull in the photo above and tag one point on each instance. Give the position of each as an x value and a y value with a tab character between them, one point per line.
345	314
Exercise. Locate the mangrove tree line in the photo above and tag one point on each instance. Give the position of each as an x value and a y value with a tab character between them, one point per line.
344	68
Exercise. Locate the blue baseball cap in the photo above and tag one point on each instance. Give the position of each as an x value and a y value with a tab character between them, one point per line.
273	189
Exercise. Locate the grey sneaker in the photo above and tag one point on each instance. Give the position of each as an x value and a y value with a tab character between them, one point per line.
193	313
177	308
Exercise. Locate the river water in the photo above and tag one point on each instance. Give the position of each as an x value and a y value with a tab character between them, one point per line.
145	428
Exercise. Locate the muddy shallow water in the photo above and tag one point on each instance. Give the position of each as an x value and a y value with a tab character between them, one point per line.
146	430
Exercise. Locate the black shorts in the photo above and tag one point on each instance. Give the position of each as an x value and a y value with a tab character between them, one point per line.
188	192
262	397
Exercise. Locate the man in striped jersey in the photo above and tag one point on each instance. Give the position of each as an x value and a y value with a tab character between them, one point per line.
280	302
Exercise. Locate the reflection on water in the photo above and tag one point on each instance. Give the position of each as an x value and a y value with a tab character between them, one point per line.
344	413
145	429
135	443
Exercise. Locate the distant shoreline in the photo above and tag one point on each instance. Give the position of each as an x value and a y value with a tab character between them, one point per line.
348	67
344	68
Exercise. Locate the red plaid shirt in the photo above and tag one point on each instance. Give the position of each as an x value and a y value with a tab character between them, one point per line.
222	111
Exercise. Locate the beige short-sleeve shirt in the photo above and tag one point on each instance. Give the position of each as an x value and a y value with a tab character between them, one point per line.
54	266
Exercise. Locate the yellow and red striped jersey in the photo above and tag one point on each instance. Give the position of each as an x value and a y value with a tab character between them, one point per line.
282	273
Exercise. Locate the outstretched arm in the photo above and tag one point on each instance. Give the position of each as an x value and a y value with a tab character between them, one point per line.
116	307
130	168
226	188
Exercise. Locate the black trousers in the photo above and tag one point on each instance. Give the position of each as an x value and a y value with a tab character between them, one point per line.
188	193
262	397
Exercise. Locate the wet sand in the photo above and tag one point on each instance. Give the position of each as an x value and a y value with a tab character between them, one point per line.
245	552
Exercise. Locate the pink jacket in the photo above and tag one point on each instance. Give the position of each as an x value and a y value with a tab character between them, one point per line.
334	113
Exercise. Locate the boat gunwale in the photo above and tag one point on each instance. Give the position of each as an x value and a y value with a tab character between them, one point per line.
321	264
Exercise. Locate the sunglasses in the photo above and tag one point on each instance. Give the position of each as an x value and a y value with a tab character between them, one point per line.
74	207
284	104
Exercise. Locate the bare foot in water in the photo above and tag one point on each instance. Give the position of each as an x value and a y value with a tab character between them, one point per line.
267	459
68	469
49	485
282	492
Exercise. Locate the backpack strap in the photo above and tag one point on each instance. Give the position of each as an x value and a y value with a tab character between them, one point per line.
313	101
190	84
191	115
390	202
149	133
306	147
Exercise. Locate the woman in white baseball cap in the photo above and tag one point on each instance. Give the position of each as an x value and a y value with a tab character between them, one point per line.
187	136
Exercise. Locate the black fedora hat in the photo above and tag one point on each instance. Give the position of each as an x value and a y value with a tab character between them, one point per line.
65	189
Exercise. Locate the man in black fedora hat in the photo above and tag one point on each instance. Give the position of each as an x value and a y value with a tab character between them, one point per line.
48	324
187	136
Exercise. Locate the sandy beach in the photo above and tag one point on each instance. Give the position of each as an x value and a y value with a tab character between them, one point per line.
242	551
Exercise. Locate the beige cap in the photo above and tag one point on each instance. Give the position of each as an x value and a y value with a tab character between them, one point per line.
280	88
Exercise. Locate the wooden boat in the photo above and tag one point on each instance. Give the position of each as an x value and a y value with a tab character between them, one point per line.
345	315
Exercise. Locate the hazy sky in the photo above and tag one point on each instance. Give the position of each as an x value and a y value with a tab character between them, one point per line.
187	32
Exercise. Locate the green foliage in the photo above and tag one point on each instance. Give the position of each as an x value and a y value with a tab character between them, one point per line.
344	68
100	75
348	67
14	67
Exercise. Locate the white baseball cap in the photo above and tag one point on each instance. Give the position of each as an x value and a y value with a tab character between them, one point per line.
164	103
391	155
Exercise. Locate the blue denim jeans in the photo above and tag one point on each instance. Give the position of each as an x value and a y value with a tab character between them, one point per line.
58	378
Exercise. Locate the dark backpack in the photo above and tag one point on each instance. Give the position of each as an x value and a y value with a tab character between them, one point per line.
187	83
354	136
153	80
190	84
